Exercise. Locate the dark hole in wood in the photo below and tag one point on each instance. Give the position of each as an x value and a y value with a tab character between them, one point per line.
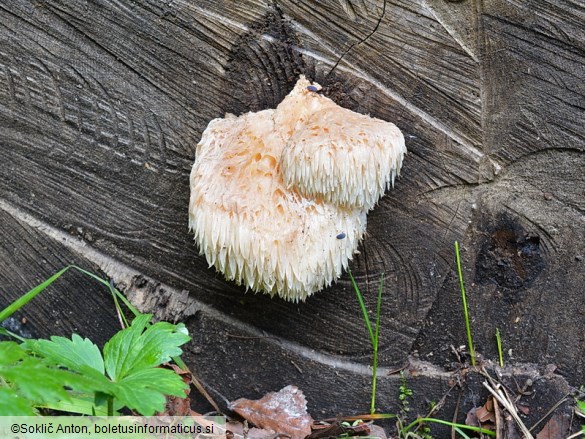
510	257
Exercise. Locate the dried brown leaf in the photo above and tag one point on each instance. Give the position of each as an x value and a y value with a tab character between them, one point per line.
556	428
236	431
471	418
176	406
483	416
284	412
377	431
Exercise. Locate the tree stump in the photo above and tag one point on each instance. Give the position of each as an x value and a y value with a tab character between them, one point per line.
103	102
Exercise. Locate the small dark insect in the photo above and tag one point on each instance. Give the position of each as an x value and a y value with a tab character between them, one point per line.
341	235
312	88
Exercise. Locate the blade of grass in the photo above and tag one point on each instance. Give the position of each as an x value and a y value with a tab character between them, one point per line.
450	424
111	288
499	343
463	435
363	308
121	316
7	333
24	299
115	295
465	310
376	344
374	335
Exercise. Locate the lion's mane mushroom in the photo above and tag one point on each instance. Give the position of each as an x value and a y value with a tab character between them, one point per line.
279	197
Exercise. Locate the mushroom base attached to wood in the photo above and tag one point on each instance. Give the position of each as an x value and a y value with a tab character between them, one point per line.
279	197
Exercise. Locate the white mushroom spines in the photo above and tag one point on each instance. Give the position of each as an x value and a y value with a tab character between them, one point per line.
345	157
279	197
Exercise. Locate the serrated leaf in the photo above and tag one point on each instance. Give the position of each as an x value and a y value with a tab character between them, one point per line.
161	343
31	380
130	359
10	353
137	347
145	390
123	348
11	404
40	382
75	354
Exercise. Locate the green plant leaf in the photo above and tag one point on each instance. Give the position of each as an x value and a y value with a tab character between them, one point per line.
11	404
10	353
138	347
85	405
70	374
40	381
145	390
27	375
131	357
75	354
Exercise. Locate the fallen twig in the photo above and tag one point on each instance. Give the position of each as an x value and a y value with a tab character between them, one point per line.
496	390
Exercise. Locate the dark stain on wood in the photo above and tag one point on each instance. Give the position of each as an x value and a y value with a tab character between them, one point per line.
510	256
264	64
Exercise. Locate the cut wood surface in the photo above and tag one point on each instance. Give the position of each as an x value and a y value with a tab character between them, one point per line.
103	102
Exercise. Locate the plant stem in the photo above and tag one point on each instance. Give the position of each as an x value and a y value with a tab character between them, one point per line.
499	343
375	345
374	336
451	424
465	311
363	308
24	299
461	433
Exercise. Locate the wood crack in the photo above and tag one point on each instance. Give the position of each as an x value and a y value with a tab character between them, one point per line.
367	37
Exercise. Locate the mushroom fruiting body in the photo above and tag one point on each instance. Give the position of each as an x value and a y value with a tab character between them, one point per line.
272	191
